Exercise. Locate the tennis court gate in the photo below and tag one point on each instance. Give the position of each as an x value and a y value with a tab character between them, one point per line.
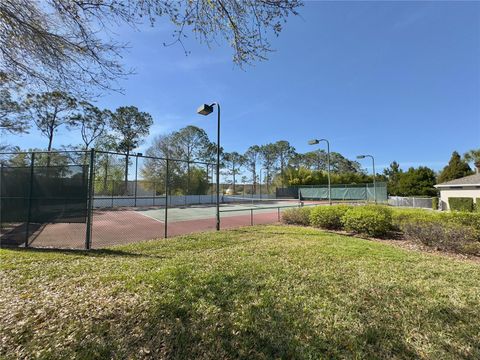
85	199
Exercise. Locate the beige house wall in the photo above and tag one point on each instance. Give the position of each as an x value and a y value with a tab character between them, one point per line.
466	191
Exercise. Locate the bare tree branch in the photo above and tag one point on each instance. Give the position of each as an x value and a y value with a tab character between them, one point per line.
64	44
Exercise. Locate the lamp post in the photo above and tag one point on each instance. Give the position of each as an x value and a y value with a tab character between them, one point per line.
315	142
374	184
207	110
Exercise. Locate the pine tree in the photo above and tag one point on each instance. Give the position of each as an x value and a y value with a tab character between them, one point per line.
455	169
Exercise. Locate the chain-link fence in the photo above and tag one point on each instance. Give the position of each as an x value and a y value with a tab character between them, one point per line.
367	192
44	199
414	202
93	199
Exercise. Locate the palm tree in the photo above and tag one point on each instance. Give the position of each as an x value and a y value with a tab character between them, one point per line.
473	156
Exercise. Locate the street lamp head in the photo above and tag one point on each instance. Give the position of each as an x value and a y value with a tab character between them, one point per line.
205	109
361	157
313	142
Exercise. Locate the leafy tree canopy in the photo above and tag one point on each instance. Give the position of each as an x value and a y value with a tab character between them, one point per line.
92	122
455	169
131	125
473	156
49	111
12	113
417	182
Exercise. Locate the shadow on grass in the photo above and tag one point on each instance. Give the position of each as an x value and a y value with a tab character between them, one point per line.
227	316
88	253
224	316
204	311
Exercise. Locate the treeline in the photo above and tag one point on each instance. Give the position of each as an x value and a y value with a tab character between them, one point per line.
122	130
274	164
420	181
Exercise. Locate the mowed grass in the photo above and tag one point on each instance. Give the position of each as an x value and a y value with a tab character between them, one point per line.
258	292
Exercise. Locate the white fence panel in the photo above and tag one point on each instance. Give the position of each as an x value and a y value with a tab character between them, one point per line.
415	202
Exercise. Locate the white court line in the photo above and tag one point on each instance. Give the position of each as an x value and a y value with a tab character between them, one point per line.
151	217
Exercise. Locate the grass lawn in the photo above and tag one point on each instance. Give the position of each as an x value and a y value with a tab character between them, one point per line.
257	292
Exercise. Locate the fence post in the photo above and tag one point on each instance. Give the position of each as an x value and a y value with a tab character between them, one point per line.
413	201
251	217
113	190
136	179
154	191
88	237
29	210
166	202
211	200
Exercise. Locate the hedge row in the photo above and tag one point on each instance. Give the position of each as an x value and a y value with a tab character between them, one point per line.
457	231
369	220
461	204
453	231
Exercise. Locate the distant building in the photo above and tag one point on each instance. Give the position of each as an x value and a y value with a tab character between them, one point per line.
468	186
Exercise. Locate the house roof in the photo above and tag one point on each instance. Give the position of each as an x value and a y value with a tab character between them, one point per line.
471	180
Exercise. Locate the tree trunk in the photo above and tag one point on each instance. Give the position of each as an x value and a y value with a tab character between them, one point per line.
50	141
268	170
126	172
106	175
233	172
281	168
188	177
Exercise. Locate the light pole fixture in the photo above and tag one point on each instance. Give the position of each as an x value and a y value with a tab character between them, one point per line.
206	109
315	142
373	165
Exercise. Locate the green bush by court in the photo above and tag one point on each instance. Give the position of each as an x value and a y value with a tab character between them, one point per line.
328	217
371	220
461	204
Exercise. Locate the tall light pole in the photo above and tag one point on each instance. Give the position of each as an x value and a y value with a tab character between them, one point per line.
315	142
374	184
206	110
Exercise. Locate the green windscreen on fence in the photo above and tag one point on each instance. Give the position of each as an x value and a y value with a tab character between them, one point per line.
53	194
363	192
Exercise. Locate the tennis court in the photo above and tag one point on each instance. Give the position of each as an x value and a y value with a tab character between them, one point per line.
114	226
83	200
207	211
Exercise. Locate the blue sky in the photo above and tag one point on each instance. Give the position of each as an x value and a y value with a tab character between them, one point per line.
398	80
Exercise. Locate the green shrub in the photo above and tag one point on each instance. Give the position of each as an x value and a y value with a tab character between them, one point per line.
461	204
477	204
399	214
369	220
470	219
453	231
454	217
328	217
297	216
441	234
435	203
